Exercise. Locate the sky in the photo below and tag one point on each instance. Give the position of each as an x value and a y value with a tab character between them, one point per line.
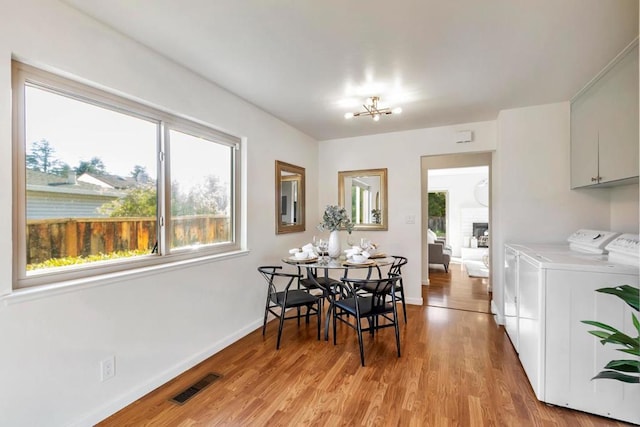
80	131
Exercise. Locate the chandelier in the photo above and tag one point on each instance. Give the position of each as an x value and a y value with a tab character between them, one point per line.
371	109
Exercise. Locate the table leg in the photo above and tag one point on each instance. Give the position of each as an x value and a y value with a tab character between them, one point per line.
331	297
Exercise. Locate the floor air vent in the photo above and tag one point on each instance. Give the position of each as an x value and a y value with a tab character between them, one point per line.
182	397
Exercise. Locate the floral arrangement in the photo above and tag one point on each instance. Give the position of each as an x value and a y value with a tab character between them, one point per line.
335	218
377	213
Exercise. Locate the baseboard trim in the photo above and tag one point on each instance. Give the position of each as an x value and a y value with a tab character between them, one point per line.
413	301
498	316
115	405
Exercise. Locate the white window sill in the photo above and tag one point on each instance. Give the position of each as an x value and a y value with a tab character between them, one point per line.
44	291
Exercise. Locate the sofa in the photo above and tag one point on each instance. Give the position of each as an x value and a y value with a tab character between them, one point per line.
439	254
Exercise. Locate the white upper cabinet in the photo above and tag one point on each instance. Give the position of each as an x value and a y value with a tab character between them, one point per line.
604	126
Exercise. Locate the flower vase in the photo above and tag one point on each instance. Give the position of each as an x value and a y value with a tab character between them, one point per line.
334	245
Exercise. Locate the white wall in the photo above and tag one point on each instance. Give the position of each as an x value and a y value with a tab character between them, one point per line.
156	324
461	205
532	200
400	153
166	321
624	209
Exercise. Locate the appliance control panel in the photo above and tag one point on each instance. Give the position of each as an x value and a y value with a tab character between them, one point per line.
625	246
591	241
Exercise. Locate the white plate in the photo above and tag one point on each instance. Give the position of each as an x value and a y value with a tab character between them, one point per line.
305	260
378	255
367	262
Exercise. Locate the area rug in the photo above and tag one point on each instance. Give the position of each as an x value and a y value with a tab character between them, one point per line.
476	269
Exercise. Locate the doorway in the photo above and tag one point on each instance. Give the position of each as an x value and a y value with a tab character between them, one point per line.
455	268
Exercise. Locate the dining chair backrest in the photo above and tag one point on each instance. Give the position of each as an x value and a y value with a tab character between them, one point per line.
271	272
279	301
384	286
396	268
398	263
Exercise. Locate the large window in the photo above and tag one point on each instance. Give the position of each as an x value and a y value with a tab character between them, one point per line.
104	184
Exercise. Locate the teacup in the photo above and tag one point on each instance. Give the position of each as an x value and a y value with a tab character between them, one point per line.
359	258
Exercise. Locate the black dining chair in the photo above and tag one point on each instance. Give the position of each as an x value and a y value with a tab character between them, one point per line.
324	284
378	304
278	302
396	269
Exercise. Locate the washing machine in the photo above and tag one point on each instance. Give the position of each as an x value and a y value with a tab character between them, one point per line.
585	243
549	290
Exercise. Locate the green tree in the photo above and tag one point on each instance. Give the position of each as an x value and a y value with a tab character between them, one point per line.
140	174
95	166
218	193
139	201
208	198
137	170
437	204
42	159
62	170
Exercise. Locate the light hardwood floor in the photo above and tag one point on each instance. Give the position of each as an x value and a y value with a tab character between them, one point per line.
457	368
457	290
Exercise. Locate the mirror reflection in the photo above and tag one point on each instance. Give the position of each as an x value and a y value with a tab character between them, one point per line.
364	194
289	186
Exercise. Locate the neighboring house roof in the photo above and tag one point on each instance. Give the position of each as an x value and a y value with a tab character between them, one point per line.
54	196
109	181
43	178
46	182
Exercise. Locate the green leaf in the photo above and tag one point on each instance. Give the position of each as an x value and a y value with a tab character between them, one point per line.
623	339
609	334
624	365
613	375
628	294
634	351
600	325
601	334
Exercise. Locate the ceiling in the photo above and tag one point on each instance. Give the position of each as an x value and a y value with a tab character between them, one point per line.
442	61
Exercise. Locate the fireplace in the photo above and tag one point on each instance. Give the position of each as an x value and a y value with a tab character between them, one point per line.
481	232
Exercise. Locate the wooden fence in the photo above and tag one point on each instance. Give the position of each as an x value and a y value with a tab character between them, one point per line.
70	237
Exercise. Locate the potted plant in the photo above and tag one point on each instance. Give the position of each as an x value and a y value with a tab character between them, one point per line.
377	214
626	370
334	219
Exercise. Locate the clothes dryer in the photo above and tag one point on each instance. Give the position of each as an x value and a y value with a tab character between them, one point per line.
555	289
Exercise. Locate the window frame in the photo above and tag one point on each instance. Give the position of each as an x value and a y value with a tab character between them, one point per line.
25	75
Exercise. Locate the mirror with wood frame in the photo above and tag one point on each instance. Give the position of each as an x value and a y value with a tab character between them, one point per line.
364	194
290	210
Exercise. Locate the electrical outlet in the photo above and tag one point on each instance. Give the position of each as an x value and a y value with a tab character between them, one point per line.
108	368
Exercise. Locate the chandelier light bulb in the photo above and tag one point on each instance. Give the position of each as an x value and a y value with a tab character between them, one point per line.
372	110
